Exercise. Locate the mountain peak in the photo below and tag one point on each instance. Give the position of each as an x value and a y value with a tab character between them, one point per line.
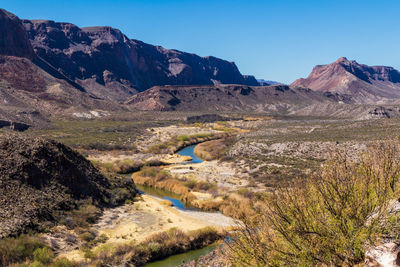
342	59
13	37
365	84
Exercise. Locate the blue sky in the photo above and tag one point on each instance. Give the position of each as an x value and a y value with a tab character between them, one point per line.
275	40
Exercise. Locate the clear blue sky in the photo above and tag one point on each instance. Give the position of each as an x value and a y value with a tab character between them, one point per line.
277	40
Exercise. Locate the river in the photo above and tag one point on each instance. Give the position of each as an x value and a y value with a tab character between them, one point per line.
186	257
189	151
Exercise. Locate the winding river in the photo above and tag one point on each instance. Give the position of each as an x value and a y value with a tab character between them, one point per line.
186	257
189	151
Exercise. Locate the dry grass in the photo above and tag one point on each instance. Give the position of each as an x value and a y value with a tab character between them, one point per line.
161	179
214	149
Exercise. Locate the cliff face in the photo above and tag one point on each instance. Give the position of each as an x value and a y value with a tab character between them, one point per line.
364	84
49	68
110	65
13	37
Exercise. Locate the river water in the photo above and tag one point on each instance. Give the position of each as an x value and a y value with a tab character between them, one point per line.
186	257
189	151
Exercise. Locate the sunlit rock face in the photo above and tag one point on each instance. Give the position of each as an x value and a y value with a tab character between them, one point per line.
364	84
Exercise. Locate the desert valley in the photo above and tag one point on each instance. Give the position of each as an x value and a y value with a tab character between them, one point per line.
115	152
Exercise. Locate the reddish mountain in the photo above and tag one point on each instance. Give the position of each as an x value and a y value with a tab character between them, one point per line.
49	68
31	89
364	84
13	37
108	64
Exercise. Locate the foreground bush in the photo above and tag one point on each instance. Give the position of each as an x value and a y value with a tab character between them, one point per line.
328	220
27	250
14	250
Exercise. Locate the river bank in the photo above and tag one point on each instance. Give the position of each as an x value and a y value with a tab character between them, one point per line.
148	216
153	214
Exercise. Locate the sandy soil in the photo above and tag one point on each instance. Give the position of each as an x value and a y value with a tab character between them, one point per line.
164	134
221	173
148	216
139	157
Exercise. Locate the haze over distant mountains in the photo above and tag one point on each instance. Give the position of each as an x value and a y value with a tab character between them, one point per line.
51	69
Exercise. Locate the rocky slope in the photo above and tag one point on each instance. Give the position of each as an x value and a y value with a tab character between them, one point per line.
358	82
30	89
225	98
39	178
49	68
108	64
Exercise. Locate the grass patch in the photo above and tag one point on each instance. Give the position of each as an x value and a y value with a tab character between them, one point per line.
155	247
98	134
158	178
28	250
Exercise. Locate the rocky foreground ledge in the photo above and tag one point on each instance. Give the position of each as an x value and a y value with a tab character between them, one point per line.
40	178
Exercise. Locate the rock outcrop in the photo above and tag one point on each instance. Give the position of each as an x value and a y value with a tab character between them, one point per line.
39	177
362	83
13	37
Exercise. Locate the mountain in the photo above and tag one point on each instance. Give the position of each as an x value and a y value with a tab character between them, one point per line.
30	89
13	37
263	82
225	98
109	65
362	83
52	69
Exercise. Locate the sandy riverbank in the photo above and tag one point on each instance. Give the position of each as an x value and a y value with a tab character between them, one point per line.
150	215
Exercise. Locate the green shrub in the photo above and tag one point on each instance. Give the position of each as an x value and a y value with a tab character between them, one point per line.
14	250
183	138
329	219
43	255
63	262
86	236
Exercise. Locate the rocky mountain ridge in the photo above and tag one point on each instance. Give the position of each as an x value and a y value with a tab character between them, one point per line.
225	98
110	65
358	82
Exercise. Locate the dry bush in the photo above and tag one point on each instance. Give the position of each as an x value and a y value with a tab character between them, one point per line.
214	149
158	178
329	219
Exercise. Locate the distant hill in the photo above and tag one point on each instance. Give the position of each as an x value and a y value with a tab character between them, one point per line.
263	82
225	98
361	83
